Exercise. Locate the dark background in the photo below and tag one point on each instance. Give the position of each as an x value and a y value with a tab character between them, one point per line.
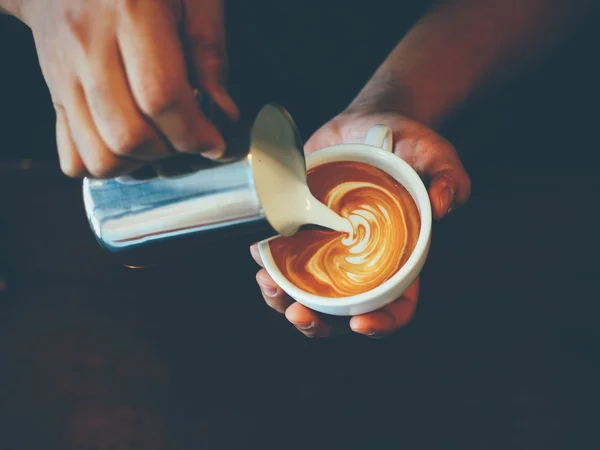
503	352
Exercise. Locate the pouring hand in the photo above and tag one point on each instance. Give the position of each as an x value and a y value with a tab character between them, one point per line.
120	82
435	159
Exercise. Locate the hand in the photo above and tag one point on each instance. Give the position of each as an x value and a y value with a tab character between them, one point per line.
121	76
437	163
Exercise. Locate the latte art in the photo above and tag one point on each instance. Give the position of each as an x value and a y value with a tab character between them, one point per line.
385	228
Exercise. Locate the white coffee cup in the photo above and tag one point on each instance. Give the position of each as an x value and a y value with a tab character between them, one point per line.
376	151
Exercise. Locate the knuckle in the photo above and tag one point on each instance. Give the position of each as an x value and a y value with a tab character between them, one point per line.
72	168
124	137
130	139
102	167
96	91
158	99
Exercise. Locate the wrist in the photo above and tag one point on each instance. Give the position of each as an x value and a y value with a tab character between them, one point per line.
10	7
382	95
387	91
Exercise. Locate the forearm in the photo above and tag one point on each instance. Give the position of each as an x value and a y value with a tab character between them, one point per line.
457	47
9	7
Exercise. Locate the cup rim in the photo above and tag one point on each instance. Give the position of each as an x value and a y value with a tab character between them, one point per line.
406	176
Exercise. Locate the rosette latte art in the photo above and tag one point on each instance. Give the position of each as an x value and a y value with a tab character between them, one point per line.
385	222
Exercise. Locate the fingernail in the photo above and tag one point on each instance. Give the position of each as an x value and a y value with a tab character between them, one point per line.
214	153
269	291
303	326
371	333
446	199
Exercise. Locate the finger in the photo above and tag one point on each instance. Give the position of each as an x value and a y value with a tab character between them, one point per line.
256	255
155	67
385	321
437	161
70	162
118	120
307	321
273	294
99	161
390	318
315	325
206	50
449	188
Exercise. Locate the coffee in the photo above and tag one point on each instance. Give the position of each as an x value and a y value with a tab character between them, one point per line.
385	222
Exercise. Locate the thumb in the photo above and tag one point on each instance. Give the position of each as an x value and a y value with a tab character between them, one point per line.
448	189
449	184
206	52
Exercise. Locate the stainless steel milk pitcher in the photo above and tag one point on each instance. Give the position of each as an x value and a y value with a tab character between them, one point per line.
132	215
